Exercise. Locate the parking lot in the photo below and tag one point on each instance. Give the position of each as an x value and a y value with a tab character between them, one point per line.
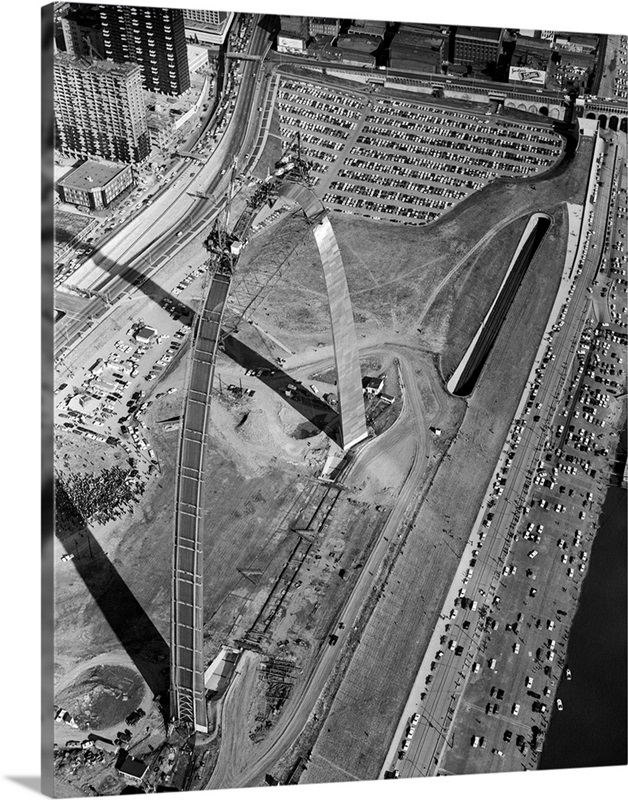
106	402
405	161
504	635
555	532
620	87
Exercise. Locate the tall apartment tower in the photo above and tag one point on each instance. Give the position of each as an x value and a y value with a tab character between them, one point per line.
82	31
154	38
99	110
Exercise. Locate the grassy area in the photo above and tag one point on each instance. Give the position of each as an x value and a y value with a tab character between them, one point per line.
68	225
372	695
471	295
393	270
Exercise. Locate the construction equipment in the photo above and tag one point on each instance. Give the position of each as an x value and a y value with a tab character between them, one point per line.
220	243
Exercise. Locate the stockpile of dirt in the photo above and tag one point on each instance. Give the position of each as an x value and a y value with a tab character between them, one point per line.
267	431
102	696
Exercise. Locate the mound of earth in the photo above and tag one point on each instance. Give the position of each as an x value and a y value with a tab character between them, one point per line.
102	696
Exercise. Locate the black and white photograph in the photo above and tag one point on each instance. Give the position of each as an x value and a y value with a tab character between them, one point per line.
337	324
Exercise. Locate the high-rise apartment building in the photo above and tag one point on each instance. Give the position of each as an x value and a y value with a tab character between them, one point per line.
58	13
99	109
82	31
154	38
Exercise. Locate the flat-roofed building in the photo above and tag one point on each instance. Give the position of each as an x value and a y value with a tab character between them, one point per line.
359	43
290	43
372	385
99	109
95	184
418	49
475	45
414	59
324	26
298	26
368	27
207	28
145	335
131	767
350	56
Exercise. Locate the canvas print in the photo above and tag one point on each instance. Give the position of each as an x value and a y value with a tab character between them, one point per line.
339	399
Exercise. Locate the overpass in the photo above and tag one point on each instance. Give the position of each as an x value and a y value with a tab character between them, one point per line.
244	56
190	154
609	113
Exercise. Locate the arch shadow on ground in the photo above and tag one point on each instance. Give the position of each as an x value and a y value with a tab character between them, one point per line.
136	632
134	278
315	411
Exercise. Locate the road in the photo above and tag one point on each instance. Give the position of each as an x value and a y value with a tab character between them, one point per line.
138	251
304	697
437	724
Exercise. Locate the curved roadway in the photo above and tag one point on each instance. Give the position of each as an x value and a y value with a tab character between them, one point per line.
136	252
232	773
434	734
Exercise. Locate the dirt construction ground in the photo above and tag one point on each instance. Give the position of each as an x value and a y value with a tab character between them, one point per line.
371	698
420	290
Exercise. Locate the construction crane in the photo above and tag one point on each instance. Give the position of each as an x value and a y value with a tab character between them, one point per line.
292	165
220	242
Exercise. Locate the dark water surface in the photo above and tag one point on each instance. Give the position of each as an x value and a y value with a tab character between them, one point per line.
591	730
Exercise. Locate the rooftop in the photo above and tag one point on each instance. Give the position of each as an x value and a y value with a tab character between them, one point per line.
85	64
145	334
92	175
374	383
491	34
131	766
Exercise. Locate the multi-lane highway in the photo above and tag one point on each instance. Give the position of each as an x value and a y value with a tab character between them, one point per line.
438	709
138	251
451	670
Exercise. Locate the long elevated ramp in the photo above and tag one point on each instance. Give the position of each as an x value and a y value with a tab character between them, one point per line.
188	690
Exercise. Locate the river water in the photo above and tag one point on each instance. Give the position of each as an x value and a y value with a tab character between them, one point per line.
591	730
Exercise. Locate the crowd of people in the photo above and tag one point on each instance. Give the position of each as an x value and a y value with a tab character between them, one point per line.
101	497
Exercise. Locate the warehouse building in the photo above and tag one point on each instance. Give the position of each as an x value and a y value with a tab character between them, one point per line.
95	184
